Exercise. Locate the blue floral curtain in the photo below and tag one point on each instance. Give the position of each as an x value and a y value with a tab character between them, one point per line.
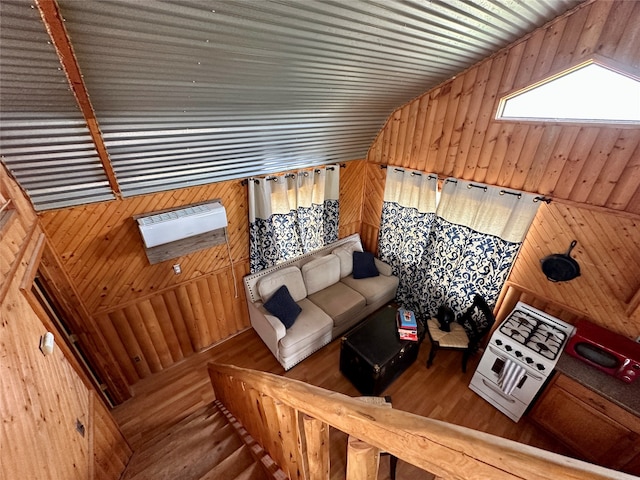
292	214
408	211
445	255
473	242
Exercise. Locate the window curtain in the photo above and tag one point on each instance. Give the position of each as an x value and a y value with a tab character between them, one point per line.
292	214
408	212
473	243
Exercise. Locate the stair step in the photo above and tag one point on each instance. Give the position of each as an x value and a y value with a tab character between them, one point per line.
206	427
187	450
234	465
252	472
203	445
203	414
189	458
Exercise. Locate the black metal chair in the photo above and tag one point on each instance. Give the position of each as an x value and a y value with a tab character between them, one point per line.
465	334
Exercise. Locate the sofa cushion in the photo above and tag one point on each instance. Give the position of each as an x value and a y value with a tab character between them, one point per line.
345	254
364	265
374	289
283	306
383	268
321	273
340	302
289	276
311	324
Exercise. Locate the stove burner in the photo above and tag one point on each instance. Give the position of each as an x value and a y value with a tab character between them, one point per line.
534	333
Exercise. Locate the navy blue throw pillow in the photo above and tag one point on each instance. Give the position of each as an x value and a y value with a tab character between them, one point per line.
283	306
364	265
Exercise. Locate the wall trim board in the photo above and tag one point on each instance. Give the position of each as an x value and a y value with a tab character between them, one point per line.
185	246
17	260
32	266
7	218
134	301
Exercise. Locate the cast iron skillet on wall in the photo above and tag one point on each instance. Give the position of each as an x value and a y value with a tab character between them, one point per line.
560	267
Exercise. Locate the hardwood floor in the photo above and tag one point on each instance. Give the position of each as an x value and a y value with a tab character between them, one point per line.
440	392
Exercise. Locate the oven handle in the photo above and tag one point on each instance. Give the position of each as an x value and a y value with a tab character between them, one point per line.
498	391
499	354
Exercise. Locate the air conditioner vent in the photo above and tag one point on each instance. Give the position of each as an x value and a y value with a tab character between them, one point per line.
166	227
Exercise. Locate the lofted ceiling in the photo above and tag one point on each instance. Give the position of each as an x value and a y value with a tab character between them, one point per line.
188	92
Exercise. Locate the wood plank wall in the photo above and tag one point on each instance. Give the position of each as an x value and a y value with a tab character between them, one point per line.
149	317
42	397
608	252
111	452
450	130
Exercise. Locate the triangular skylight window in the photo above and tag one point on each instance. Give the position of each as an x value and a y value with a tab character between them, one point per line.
591	92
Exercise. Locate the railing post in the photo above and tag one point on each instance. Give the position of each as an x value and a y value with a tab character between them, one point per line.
362	460
317	440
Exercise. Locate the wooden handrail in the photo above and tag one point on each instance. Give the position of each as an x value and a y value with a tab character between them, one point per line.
271	407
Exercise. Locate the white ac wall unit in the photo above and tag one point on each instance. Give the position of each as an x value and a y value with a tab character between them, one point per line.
166	227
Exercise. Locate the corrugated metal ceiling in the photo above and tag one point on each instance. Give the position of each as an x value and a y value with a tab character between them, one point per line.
188	92
44	140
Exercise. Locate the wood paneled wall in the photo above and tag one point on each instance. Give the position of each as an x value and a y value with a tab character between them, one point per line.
154	333
42	397
608	252
149	317
102	251
450	130
111	453
352	192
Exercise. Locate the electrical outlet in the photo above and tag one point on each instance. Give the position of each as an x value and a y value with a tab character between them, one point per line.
176	269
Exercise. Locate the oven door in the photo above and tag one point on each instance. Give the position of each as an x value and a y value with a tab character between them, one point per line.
492	363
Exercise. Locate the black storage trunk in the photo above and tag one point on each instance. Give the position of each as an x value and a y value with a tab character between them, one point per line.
372	355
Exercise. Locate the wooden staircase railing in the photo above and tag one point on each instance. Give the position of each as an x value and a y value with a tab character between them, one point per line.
291	419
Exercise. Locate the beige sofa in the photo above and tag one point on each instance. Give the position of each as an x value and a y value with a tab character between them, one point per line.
331	300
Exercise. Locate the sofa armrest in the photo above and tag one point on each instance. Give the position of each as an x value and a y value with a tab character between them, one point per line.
384	268
269	328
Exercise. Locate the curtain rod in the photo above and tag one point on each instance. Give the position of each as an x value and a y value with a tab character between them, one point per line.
245	181
431	176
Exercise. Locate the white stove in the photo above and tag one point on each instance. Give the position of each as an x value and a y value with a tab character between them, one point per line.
520	356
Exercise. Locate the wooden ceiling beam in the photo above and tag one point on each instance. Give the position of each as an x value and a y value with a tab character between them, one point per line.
54	23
